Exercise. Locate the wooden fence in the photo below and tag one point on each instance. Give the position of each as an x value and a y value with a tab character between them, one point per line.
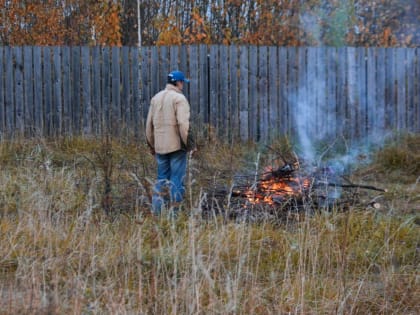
238	92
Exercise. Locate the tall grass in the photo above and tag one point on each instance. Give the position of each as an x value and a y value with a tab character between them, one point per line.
60	253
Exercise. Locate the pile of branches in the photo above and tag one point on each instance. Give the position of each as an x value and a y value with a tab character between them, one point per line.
248	197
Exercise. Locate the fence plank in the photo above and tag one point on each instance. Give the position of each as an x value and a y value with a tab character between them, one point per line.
9	88
214	87
243	95
352	95
76	97
2	92
253	95
38	91
417	89
263	93
115	90
106	90
154	71
362	94
273	92
174	59
125	90
371	90
145	81
311	96
331	92
66	70
342	124
135	88
282	70
194	88
204	84
410	68
233	94
164	65
19	109
57	92
28	89
86	92
380	88
223	115
401	70
389	88
48	88
96	90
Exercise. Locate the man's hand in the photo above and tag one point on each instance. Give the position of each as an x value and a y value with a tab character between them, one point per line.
152	151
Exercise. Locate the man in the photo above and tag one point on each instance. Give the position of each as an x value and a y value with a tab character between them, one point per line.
169	138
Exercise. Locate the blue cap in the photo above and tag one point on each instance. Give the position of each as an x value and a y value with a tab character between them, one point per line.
175	76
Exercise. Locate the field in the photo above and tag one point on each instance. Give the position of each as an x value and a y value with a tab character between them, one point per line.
76	237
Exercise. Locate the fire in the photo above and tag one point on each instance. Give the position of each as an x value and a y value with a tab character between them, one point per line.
272	190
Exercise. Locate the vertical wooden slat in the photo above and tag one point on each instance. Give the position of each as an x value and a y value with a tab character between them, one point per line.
75	95
362	93
331	92
28	89
19	109
154	71
38	91
352	91
380	90
164	64
9	92
342	124
300	107
115	90
263	93
312	81
371	90
66	117
401	71
204	83
183	66
417	89
174	59
233	93
125	91
283	110
223	115
194	88
253	93
106	90
410	66
273	92
86	91
145	81
2	92
389	89
214	87
48	96
243	95
135	88
96	90
292	83
57	92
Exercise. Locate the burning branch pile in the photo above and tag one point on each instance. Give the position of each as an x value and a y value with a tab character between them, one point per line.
287	189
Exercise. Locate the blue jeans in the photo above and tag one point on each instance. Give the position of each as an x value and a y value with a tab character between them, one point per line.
171	169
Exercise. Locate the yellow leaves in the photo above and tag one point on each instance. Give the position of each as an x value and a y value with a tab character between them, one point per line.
52	23
169	32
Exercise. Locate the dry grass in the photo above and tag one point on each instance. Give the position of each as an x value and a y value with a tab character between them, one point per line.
61	254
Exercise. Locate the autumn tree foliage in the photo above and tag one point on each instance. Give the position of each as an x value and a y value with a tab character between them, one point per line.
69	22
385	23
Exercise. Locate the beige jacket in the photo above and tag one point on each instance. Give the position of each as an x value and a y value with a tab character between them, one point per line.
168	120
